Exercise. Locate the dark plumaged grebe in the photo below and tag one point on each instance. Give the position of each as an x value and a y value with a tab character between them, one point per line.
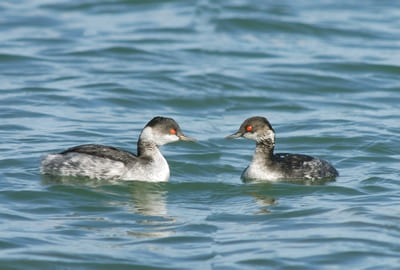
282	166
106	162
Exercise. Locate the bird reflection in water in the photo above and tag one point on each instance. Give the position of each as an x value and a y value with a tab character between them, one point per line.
145	202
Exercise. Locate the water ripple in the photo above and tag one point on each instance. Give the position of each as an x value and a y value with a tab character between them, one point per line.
325	74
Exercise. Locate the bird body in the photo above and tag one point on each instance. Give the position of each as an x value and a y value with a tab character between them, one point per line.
266	165
107	162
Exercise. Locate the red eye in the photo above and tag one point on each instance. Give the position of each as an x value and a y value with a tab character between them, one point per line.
172	131
249	128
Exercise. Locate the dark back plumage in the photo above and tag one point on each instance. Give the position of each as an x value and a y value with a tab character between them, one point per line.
103	151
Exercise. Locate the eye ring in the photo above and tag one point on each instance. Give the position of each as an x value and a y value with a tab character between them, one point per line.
249	128
172	131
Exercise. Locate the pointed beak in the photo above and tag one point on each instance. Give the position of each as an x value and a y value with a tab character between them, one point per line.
234	135
186	139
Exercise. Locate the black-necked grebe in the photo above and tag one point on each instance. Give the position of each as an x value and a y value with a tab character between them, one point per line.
106	162
282	166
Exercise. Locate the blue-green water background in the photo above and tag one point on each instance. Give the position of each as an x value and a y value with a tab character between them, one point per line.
325	73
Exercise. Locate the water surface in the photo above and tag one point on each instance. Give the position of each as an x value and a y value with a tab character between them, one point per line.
325	74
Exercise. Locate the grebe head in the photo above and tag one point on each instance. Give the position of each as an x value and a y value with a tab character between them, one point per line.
255	128
163	130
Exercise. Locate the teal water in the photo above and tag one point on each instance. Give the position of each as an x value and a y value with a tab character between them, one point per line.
326	74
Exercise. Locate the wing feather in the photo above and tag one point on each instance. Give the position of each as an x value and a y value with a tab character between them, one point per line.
103	151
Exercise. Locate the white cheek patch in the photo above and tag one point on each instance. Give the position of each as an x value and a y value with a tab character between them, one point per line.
269	135
168	138
251	136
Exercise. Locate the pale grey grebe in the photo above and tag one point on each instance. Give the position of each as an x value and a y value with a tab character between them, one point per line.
282	166
106	162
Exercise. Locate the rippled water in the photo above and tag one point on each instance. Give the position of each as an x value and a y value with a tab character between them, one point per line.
325	74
